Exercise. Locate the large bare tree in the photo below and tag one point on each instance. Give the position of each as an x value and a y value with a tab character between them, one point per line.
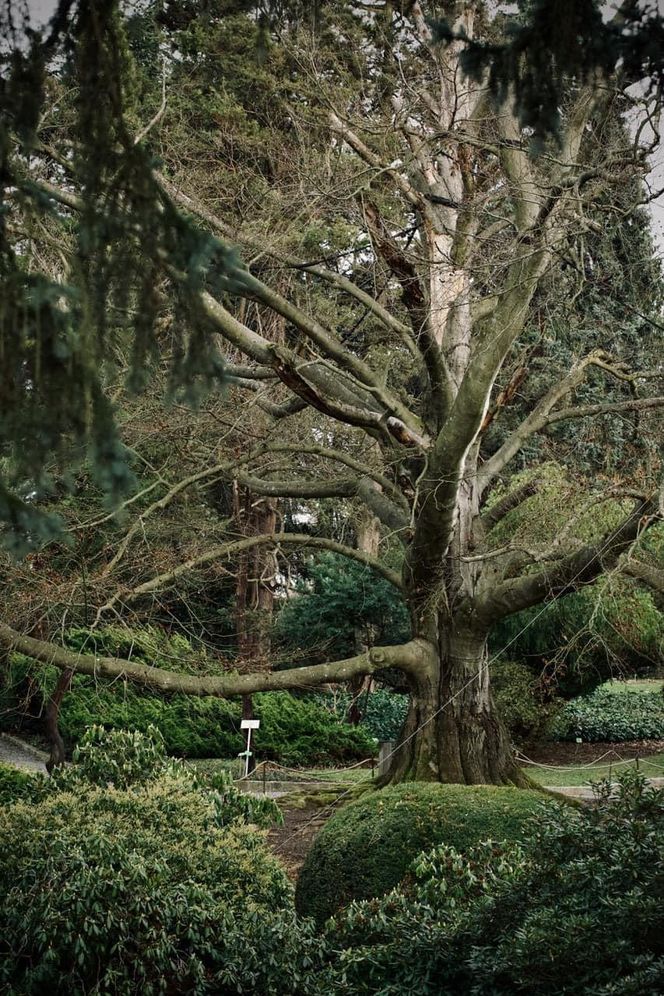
457	224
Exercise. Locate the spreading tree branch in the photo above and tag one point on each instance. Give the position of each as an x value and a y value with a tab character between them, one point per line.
410	657
572	572
227	550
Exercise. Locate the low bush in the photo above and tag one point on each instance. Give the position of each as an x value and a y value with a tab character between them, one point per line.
16	785
125	878
365	849
605	715
575	909
299	731
191	727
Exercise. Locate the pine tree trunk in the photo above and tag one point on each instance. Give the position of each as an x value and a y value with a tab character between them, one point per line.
452	732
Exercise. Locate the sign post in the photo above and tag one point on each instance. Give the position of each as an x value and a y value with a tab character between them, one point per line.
248	725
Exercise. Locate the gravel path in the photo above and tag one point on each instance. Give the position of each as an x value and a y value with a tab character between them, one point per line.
14	752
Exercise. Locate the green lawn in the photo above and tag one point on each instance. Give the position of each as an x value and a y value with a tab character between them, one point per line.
279	774
652	766
635	685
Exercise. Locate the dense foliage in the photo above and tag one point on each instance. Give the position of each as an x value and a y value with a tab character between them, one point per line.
613	627
522	701
609	715
299	731
128	875
16	785
294	730
382	711
365	849
339	607
575	909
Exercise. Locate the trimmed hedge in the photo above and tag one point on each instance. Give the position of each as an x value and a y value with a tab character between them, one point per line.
299	731
191	727
294	731
366	848
607	715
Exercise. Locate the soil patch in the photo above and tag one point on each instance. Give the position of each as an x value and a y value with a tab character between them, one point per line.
291	842
564	752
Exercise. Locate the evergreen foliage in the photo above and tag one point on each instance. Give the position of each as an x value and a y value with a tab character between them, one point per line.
366	848
383	711
17	786
339	607
58	340
573	909
573	645
520	699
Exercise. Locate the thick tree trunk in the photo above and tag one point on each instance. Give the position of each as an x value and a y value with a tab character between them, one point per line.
452	731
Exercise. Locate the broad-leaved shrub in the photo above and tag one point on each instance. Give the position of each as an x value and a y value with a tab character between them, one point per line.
120	881
607	715
575	909
366	848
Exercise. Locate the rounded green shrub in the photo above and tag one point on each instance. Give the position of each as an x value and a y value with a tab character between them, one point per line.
612	716
115	883
366	848
573	909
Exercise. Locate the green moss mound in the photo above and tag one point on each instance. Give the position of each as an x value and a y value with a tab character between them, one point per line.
366	848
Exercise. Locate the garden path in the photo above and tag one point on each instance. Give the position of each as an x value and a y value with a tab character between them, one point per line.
13	751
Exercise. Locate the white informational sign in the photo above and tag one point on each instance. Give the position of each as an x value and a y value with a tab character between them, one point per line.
248	725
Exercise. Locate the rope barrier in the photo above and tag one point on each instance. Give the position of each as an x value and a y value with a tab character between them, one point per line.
302	773
570	767
592	764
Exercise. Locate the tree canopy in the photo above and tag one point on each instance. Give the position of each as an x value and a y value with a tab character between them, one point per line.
423	315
